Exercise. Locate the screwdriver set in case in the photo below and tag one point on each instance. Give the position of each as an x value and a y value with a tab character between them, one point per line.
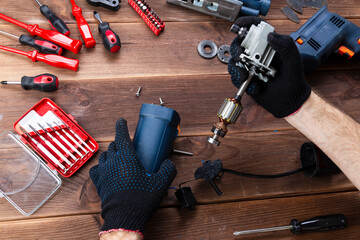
49	141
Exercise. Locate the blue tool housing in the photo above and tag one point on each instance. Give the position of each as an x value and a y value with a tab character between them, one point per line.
154	136
322	35
255	7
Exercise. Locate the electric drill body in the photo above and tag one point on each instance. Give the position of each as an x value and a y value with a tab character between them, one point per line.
323	34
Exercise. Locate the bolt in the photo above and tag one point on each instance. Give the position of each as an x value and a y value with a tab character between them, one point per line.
138	92
161	102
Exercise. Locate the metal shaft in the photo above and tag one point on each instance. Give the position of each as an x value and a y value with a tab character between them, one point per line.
58	142
44	150
38	3
72	139
262	230
66	141
10	83
182	152
53	148
244	86
97	16
9	34
138	92
79	138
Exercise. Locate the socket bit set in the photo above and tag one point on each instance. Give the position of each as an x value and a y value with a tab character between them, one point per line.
56	137
148	15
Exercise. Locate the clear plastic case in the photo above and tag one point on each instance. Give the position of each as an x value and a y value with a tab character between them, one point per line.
25	180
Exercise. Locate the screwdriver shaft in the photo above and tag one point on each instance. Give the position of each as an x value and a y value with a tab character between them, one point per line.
38	3
97	16
9	34
262	230
10	83
72	139
44	150
183	152
53	148
82	142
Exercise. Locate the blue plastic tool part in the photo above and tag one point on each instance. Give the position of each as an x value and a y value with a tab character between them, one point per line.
255	7
154	136
323	34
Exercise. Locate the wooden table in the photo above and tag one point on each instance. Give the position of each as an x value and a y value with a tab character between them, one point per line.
168	66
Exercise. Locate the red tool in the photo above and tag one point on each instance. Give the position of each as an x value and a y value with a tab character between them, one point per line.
110	39
83	26
50	35
51	59
43	83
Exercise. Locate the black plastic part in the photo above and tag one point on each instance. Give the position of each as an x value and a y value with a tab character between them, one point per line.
186	198
209	172
45	46
49	83
110	39
315	161
321	223
55	21
113	5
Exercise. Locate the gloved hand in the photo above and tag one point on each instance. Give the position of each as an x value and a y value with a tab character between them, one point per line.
129	195
287	91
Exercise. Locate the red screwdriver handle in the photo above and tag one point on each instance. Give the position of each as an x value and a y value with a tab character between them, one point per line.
83	26
44	82
54	60
50	35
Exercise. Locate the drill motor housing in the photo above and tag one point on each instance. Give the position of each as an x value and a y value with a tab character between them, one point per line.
323	34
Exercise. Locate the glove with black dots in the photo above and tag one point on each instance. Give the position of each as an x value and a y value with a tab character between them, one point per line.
129	195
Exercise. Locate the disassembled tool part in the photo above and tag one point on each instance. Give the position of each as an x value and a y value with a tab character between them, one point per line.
290	14
138	92
296	5
113	5
226	9
202	49
224	53
256	58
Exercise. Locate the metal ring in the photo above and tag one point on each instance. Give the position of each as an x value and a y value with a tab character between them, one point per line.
222	53
211	45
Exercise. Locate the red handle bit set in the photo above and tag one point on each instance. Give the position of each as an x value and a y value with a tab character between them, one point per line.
56	137
148	15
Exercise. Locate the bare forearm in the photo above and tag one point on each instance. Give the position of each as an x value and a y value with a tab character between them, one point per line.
337	134
120	235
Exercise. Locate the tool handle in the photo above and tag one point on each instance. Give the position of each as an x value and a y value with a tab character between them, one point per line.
110	39
40	45
54	60
13	21
320	223
43	83
56	23
83	26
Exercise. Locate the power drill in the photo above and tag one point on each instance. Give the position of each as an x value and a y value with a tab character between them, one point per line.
323	34
256	58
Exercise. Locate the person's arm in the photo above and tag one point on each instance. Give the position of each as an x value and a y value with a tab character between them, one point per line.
334	132
119	235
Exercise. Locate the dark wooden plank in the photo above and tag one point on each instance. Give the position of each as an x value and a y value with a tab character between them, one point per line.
168	12
215	221
96	105
261	153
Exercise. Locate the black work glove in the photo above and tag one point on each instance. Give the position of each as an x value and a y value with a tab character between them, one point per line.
287	91
129	195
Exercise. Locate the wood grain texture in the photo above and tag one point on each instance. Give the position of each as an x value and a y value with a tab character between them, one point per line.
97	104
261	153
215	221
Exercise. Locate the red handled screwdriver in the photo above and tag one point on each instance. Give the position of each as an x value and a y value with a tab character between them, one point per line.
50	59
40	45
83	26
110	39
56	23
43	82
50	35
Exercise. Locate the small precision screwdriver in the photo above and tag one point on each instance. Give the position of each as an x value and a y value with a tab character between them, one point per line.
58	142
65	141
71	138
40	45
56	23
44	150
110	39
79	138
320	223
52	147
43	83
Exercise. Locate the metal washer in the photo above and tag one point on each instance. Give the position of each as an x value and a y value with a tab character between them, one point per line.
221	53
211	45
